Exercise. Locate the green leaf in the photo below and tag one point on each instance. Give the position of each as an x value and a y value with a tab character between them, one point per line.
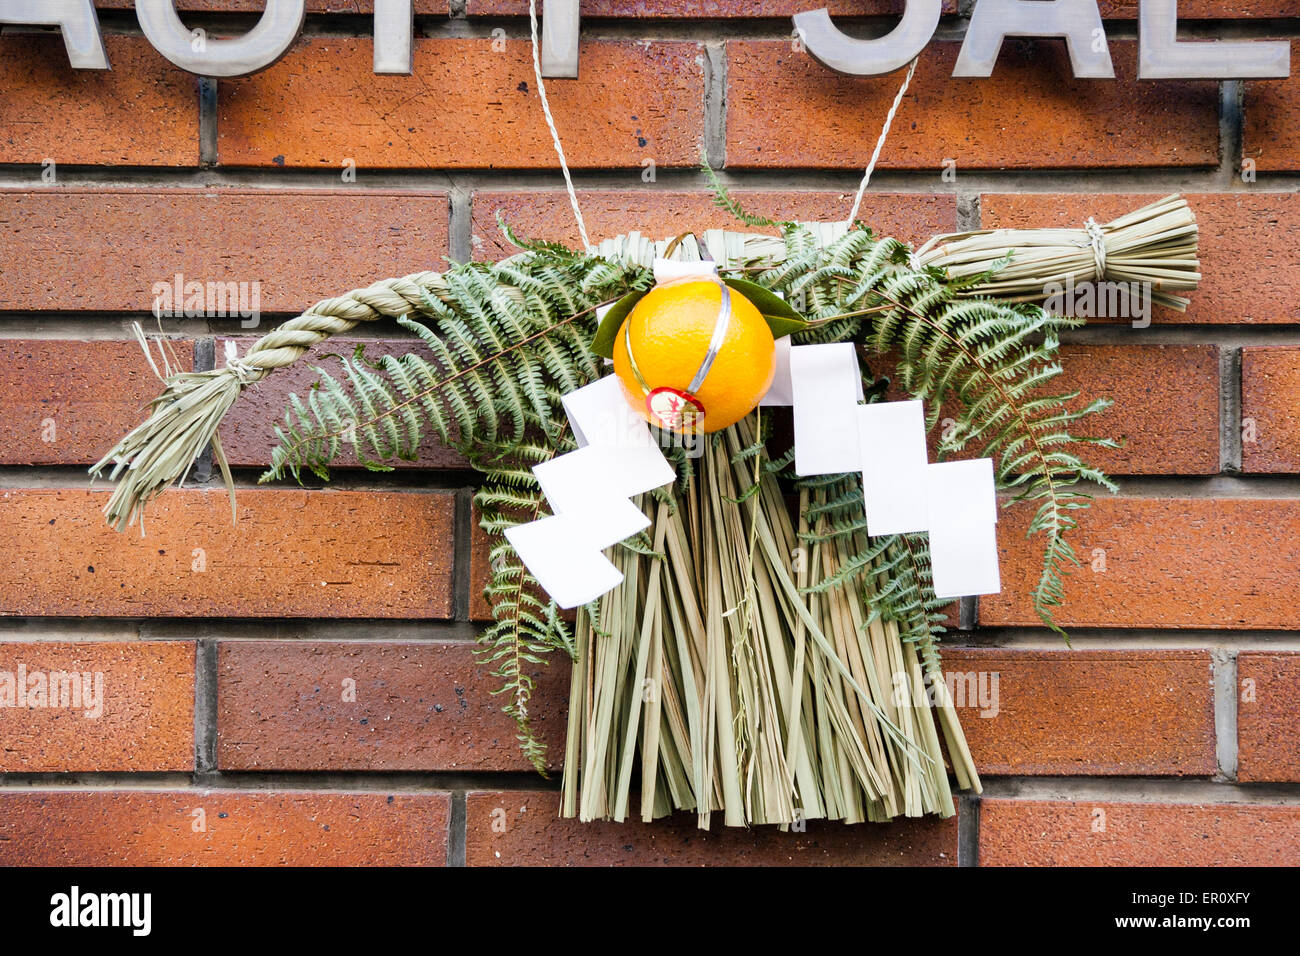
780	317
603	343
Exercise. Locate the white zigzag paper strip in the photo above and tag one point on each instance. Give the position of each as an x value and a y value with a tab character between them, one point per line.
955	502
590	492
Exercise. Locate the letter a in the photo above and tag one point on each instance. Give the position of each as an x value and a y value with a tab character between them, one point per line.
1076	20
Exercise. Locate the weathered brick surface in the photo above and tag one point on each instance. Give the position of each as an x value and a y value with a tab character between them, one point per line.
1269	137
521	828
1165	410
546	214
1250	271
1069	833
104	250
234	828
1030	113
142	112
68	402
480	571
122	706
1270	383
1169	562
375	706
1139	713
467	106
248	432
291	554
1166	405
1268	700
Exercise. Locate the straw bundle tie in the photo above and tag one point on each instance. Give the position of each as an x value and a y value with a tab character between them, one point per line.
1154	247
1097	239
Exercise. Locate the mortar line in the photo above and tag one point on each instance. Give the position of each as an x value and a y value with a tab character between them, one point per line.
687	176
1231	98
1230	420
209	154
968	827
460	240
1126	789
457	835
715	104
205	356
1225	712
205	706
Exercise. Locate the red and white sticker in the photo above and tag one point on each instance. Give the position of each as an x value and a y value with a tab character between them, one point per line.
674	409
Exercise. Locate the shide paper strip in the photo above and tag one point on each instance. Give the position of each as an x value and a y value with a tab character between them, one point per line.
598	473
567	564
600	415
963	528
590	491
894	460
902	492
782	390
826	387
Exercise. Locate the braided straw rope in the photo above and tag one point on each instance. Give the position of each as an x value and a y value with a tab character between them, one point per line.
1156	243
187	414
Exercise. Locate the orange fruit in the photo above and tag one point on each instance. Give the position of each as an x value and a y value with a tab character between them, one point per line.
670	331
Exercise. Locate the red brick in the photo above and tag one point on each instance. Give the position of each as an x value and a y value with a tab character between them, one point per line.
1065	713
1170	562
299	245
1270	385
67	403
545	214
418	706
1269	134
1030	113
1166	406
480	571
291	554
535	836
1268	717
467	106
248	432
1250	272
141	719
1064	833
142	112
236	828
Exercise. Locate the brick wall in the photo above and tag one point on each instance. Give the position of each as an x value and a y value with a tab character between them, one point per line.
1167	734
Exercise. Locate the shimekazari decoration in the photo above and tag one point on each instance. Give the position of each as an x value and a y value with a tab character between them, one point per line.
757	619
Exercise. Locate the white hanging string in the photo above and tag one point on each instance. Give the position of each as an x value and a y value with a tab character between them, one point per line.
550	121
880	144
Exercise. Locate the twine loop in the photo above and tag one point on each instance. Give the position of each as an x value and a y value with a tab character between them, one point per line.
1097	240
244	373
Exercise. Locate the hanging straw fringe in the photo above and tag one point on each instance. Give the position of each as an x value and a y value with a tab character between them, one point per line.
1155	245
